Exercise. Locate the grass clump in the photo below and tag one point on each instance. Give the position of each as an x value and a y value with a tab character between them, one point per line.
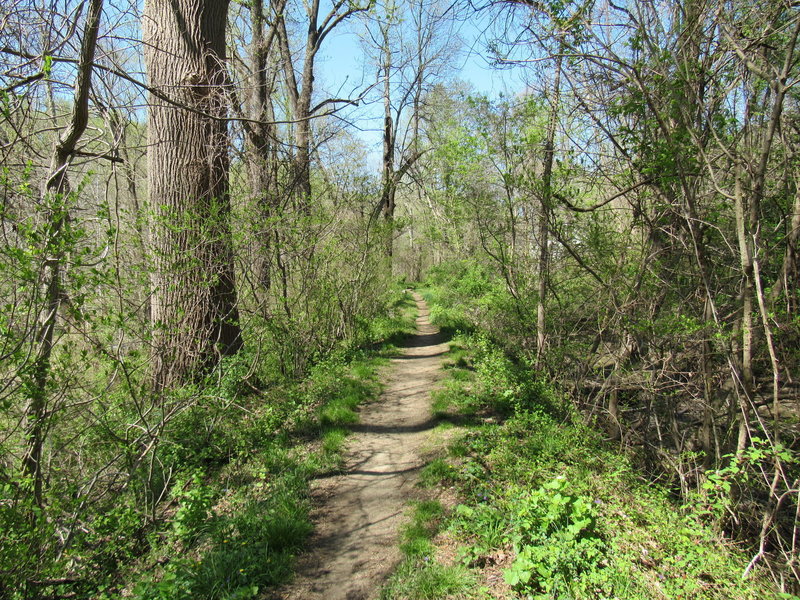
426	580
333	441
424	524
435	472
420	576
339	412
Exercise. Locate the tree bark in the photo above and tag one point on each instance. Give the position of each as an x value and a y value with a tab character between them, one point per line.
300	99
786	283
544	212
194	309
388	180
261	134
746	356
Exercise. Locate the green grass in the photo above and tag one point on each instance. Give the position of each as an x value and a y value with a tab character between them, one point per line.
436	472
539	485
426	580
419	531
333	440
420	576
390	330
338	412
440	403
244	514
364	371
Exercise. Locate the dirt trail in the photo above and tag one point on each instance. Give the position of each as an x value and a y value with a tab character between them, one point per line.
354	547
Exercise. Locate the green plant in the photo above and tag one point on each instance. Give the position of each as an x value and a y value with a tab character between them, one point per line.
436	471
332	442
428	580
194	504
418	532
337	413
485	525
716	496
420	576
556	540
247	551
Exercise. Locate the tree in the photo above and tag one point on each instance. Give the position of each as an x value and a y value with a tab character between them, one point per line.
194	308
56	200
318	28
415	43
688	115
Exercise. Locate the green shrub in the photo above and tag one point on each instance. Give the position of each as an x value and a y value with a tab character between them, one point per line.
195	500
535	481
244	552
556	541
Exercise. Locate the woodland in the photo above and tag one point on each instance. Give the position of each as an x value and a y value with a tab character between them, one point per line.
204	253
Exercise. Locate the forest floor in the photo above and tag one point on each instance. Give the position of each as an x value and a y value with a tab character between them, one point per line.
359	510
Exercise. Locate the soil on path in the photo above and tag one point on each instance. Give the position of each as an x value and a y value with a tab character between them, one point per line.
354	547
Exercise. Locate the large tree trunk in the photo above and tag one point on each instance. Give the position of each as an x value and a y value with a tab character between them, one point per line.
194	311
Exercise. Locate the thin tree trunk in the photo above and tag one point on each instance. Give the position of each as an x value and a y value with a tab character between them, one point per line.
300	99
746	357
388	183
261	135
787	279
56	195
544	212
707	434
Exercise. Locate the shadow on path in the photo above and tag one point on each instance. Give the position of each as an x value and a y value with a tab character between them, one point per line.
359	509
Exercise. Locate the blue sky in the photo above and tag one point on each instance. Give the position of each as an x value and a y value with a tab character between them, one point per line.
341	56
340	71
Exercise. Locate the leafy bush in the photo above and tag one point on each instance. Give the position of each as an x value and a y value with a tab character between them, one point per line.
556	541
243	552
194	504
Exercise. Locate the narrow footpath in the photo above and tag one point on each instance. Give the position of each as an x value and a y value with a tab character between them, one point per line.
354	547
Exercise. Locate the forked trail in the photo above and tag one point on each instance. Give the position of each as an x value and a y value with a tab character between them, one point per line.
354	547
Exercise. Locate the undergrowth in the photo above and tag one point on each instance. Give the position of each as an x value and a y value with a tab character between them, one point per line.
567	515
240	504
